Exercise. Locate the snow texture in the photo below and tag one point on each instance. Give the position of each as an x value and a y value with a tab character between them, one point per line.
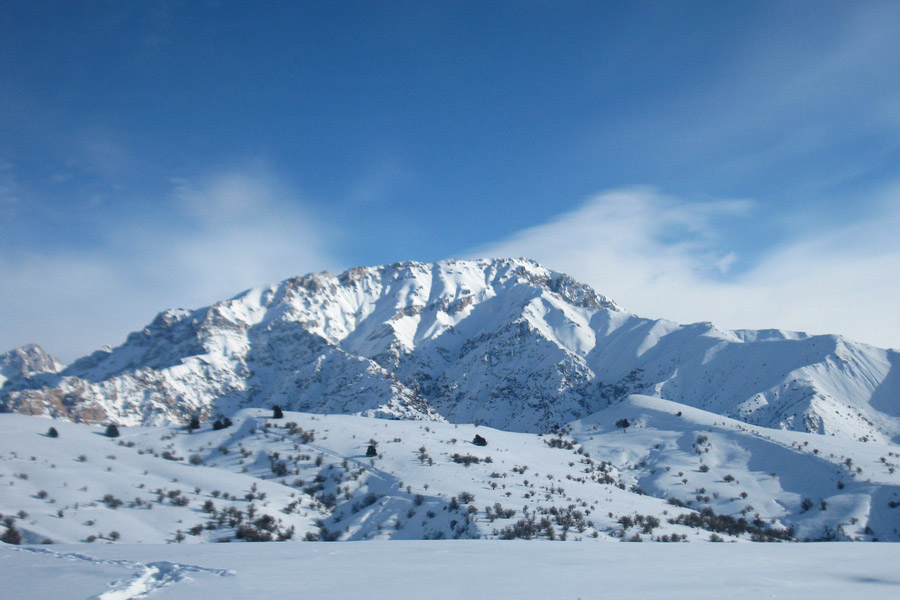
465	569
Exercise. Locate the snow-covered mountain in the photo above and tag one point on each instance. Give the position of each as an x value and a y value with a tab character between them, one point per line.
505	343
25	362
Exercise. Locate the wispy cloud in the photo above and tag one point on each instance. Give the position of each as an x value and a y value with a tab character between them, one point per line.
9	187
239	228
381	180
807	104
660	256
219	235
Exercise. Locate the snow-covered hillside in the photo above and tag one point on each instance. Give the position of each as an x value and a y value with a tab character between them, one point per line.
504	343
644	469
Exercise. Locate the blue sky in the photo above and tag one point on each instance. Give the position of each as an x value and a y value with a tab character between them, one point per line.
734	162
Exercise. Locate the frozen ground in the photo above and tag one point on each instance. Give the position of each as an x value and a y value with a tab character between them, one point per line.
451	569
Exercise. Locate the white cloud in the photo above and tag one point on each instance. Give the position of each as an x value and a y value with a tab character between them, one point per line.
242	228
662	257
658	256
216	237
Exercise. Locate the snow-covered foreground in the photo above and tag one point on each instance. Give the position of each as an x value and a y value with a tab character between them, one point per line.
451	569
307	477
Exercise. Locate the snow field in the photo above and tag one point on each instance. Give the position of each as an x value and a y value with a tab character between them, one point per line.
451	570
307	477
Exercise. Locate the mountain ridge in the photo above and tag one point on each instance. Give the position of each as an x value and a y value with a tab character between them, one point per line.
503	342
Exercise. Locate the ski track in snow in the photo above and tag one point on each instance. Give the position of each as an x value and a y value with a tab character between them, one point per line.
147	578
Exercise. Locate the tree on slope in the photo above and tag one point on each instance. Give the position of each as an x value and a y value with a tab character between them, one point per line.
12	535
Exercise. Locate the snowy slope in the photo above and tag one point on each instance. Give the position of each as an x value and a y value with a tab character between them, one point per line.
674	474
505	343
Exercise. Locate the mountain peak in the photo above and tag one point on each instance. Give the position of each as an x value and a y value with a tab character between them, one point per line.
502	342
26	361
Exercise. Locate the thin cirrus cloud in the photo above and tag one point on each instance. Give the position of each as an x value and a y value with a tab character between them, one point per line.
796	113
664	257
217	236
239	229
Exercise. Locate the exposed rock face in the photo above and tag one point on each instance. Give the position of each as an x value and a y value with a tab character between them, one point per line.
506	343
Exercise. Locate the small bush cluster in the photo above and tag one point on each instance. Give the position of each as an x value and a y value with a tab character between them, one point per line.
264	529
466	459
221	423
465	497
528	528
424	457
560	443
278	467
305	437
498	512
710	521
175	497
647	523
111	501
